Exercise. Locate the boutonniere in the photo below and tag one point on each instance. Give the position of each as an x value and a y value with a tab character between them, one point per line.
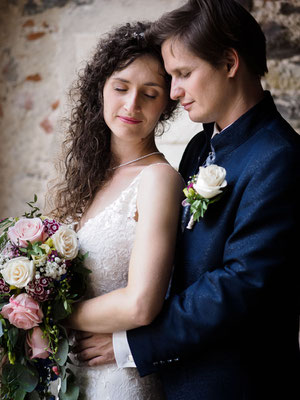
203	189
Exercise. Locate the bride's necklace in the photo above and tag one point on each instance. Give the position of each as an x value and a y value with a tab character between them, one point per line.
137	159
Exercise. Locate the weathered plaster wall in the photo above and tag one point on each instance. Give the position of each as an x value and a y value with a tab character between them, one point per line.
43	43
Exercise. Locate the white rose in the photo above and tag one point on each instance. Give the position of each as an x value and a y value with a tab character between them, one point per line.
65	242
211	180
18	271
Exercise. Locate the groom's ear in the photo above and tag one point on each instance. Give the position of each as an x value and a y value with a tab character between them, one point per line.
232	62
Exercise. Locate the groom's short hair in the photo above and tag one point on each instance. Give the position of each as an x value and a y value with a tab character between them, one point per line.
210	27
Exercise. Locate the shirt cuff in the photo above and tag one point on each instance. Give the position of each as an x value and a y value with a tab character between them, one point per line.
122	351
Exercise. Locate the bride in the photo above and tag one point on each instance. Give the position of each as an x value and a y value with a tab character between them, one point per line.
126	198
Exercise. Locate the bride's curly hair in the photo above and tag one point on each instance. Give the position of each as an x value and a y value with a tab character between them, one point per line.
87	158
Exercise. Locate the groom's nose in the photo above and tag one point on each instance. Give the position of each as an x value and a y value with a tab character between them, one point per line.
176	90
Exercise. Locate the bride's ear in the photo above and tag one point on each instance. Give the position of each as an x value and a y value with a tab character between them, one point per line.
232	62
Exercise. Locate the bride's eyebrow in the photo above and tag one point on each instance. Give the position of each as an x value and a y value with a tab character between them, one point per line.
121	80
145	84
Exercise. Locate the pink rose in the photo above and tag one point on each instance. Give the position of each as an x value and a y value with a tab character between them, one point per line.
23	312
37	344
31	229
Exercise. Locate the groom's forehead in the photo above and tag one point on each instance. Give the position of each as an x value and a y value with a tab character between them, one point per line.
176	56
171	54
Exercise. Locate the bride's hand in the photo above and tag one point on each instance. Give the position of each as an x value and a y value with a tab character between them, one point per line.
94	348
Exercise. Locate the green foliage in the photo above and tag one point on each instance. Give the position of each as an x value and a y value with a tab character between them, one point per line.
4	225
35	211
33	249
62	352
3	240
198	203
69	390
19	378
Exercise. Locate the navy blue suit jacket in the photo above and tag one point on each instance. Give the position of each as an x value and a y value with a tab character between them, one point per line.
229	329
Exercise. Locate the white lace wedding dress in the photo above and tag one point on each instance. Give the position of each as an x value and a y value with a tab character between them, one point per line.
108	238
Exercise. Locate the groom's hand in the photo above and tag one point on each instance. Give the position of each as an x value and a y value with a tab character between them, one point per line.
94	348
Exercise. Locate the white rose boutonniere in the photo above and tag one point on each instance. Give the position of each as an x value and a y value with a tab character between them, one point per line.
65	242
203	189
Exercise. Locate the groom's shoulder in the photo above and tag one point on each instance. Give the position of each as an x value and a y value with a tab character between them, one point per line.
279	137
195	143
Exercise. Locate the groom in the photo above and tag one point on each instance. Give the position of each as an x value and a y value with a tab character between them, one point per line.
229	329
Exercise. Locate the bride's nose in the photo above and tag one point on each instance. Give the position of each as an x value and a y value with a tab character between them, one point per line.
131	104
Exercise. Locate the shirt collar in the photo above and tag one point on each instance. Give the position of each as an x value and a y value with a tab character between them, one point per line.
216	130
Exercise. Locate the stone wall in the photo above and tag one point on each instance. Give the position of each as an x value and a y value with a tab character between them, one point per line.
43	44
280	21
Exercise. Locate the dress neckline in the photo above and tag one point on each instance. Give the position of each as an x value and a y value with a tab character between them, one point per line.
119	196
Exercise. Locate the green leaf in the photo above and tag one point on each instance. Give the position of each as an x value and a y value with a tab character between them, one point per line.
30	378
59	311
3	239
13	334
62	352
72	392
7	223
63	331
66	305
197	215
1	329
4	222
23	377
11	373
20	394
63	372
63	387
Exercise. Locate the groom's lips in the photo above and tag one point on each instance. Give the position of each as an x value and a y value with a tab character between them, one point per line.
186	106
129	120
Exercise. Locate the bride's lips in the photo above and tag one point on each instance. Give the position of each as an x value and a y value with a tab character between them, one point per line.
128	120
186	106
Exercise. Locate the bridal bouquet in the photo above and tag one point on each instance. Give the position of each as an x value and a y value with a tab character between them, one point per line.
41	275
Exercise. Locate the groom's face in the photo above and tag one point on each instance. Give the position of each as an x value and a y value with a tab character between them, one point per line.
201	88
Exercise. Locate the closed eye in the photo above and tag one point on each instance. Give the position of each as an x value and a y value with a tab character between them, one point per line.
120	90
186	75
150	96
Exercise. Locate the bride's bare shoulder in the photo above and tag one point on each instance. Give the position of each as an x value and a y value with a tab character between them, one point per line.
161	172
160	179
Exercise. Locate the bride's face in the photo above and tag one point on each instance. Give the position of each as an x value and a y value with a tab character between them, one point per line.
134	99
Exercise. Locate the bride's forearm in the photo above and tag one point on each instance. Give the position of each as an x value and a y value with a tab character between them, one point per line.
112	312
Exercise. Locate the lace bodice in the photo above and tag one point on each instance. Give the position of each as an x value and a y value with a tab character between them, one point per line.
108	238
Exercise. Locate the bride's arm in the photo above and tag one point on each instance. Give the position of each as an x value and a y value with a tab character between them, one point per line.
158	204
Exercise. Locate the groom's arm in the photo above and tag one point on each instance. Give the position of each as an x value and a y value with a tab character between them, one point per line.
260	245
